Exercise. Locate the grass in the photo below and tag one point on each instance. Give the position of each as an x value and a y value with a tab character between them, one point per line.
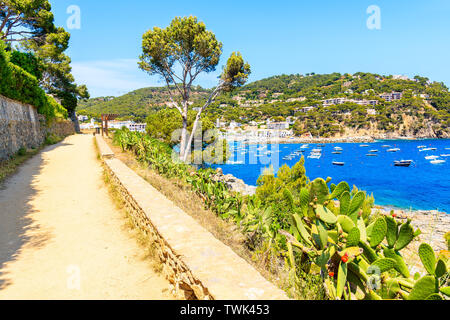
307	287
10	166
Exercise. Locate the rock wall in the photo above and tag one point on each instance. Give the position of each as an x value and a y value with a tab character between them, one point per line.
21	126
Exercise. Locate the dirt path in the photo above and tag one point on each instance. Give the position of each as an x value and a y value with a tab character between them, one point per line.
62	237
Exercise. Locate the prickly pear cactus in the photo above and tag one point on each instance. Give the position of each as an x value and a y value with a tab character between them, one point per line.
358	259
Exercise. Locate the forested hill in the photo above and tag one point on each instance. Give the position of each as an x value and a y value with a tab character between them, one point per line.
137	104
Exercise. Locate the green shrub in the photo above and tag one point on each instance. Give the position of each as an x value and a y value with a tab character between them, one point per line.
18	84
22	151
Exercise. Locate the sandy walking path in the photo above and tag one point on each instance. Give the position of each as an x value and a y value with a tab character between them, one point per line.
62	237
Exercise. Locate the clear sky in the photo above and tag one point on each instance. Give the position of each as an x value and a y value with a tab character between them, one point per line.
275	37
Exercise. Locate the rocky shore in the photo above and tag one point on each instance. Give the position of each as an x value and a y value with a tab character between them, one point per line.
233	183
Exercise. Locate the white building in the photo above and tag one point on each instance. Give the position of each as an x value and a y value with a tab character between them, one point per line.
82	118
130	125
278	126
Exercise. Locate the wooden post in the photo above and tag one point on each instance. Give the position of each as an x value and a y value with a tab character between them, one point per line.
102	125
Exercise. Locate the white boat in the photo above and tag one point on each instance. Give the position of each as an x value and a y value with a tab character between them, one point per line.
235	162
386	146
393	150
337	163
421	147
373	151
338	148
316	150
363	145
431	157
437	161
427	149
445	155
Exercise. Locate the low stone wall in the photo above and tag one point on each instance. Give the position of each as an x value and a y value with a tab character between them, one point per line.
61	128
21	126
197	264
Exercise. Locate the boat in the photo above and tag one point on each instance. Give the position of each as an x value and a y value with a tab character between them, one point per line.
336	152
338	148
373	151
337	163
445	155
316	150
427	149
437	161
386	146
431	157
393	150
321	145
235	162
403	163
315	155
371	155
421	147
364	145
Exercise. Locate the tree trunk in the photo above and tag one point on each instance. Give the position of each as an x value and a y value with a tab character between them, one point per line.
74	118
183	150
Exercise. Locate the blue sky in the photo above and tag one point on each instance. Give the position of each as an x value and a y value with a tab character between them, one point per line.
275	37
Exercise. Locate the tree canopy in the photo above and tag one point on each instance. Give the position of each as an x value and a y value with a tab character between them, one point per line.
178	54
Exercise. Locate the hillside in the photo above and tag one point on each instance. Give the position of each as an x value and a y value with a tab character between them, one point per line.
366	104
137	104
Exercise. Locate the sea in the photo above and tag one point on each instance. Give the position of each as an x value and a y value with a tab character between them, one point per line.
424	185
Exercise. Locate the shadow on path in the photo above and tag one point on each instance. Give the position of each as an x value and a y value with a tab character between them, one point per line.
17	226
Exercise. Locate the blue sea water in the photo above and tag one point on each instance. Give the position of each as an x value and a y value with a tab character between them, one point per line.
422	186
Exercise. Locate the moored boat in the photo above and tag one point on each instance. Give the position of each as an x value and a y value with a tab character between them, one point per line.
437	161
338	163
403	163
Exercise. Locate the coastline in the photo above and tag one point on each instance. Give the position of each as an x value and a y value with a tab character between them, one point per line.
350	139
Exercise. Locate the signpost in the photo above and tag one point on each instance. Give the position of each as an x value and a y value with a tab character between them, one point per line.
105	119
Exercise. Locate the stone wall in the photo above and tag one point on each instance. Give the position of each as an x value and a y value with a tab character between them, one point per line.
21	126
196	264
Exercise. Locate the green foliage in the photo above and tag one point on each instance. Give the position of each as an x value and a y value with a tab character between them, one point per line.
356	252
18	84
28	62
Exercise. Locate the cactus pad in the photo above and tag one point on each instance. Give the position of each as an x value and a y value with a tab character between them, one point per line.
392	231
427	257
353	237
378	232
405	236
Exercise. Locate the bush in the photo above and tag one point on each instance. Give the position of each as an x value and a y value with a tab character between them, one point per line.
22	151
18	84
